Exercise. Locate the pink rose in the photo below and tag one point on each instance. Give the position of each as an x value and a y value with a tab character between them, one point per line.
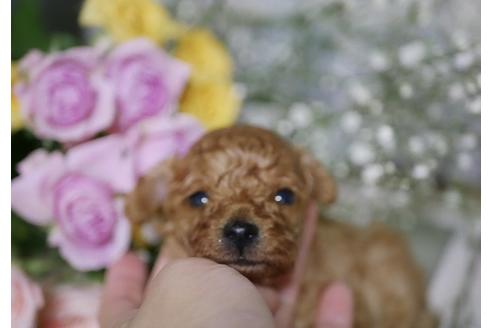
30	61
87	216
71	307
26	300
124	158
60	97
31	191
105	158
91	229
159	139
145	81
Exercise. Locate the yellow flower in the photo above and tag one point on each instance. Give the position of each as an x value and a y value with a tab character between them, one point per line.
16	121
210	95
206	55
128	19
214	103
137	237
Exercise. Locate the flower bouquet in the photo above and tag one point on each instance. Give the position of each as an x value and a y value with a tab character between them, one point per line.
144	89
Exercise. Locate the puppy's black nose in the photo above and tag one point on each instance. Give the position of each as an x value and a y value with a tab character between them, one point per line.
240	234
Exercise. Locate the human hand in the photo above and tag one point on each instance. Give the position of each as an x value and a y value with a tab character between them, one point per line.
193	291
185	293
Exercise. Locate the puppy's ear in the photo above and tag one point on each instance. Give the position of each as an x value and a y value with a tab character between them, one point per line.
320	183
144	203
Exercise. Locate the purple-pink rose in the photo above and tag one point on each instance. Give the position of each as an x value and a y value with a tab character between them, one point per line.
60	97
32	189
144	81
85	212
91	230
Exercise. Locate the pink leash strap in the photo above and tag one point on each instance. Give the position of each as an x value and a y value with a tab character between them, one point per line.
284	317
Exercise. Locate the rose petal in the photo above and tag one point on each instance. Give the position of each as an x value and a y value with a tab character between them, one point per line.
92	111
30	61
152	151
108	159
132	64
163	137
85	258
36	64
32	191
101	118
34	161
187	130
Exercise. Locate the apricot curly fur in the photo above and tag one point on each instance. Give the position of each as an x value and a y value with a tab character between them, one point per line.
241	168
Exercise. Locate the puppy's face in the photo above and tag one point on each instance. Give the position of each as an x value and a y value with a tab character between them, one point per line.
239	197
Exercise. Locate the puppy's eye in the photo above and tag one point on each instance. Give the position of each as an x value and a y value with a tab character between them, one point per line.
198	199
284	196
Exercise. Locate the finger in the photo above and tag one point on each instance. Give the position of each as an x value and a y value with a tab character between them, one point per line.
335	309
169	251
271	298
161	262
198	292
285	310
123	291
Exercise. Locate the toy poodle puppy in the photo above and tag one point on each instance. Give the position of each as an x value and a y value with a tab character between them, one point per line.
241	196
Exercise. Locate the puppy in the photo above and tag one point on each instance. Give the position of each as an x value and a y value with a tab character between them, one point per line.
240	197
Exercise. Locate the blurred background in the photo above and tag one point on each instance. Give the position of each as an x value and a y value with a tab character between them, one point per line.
385	93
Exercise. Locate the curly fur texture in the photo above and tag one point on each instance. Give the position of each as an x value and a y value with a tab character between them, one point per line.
241	168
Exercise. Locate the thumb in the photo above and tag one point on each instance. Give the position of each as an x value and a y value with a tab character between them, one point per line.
122	292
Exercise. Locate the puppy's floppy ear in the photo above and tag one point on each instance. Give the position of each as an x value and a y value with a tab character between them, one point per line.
144	203
320	183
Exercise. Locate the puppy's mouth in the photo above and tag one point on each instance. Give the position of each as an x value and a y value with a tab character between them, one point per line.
242	263
257	270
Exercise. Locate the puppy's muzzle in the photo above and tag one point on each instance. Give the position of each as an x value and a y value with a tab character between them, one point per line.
240	235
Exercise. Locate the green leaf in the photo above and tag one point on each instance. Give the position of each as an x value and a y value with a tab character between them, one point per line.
28	32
